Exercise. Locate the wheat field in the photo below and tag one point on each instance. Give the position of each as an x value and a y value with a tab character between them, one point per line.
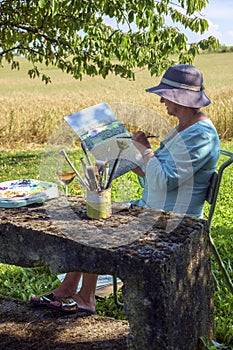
32	111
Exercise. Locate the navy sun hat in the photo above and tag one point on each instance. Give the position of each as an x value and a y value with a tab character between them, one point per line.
182	84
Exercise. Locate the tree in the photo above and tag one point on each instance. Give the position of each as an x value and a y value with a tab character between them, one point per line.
74	36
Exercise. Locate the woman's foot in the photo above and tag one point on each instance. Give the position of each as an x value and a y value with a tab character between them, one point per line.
58	293
65	305
83	303
84	300
63	300
42	300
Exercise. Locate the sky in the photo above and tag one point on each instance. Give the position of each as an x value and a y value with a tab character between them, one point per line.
219	14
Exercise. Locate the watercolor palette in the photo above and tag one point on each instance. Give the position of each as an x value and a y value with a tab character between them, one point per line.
19	193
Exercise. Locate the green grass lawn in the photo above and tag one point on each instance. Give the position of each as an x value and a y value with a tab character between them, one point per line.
21	283
30	113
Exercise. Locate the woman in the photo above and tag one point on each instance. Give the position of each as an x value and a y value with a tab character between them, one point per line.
176	176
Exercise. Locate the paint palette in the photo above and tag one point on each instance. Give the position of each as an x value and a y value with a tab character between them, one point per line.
19	193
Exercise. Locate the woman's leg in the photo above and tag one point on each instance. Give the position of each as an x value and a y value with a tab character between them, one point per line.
86	296
69	285
67	288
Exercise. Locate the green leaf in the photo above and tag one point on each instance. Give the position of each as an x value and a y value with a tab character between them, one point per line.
57	32
131	16
42	3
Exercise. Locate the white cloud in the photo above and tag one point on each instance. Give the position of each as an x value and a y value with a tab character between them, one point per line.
223	31
219	14
215	30
219	10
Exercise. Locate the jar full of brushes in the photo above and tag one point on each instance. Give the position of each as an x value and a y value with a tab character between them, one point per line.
99	204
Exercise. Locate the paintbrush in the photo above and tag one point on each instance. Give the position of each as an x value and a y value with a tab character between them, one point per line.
122	146
84	148
101	166
130	137
86	179
92	178
105	175
84	167
64	154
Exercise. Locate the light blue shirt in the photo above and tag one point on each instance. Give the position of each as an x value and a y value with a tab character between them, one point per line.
177	178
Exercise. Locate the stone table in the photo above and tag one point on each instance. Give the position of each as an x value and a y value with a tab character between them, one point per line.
162	258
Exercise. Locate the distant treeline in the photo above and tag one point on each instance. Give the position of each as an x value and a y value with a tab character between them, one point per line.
222	49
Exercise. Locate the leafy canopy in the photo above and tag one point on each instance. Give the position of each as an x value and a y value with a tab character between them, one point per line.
74	35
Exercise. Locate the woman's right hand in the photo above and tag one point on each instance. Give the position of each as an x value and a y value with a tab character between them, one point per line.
140	141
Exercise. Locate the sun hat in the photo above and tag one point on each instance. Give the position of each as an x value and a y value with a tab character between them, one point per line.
182	84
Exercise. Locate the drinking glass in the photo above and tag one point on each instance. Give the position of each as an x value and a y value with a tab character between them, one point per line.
66	177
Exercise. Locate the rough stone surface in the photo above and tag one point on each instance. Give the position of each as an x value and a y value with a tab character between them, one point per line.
163	260
27	328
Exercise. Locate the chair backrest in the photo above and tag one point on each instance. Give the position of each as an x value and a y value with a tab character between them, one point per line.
215	182
212	195
212	188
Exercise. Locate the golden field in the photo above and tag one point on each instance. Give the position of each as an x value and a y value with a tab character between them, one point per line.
31	111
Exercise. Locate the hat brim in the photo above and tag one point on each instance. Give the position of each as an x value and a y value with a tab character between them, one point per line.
183	97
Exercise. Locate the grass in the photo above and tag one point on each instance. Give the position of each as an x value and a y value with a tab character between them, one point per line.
222	235
21	283
32	117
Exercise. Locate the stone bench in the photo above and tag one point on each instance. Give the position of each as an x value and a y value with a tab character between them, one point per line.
163	260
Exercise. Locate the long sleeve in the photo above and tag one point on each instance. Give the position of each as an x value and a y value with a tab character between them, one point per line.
180	159
177	177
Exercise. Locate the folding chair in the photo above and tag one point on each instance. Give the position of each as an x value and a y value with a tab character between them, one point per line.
211	198
115	291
